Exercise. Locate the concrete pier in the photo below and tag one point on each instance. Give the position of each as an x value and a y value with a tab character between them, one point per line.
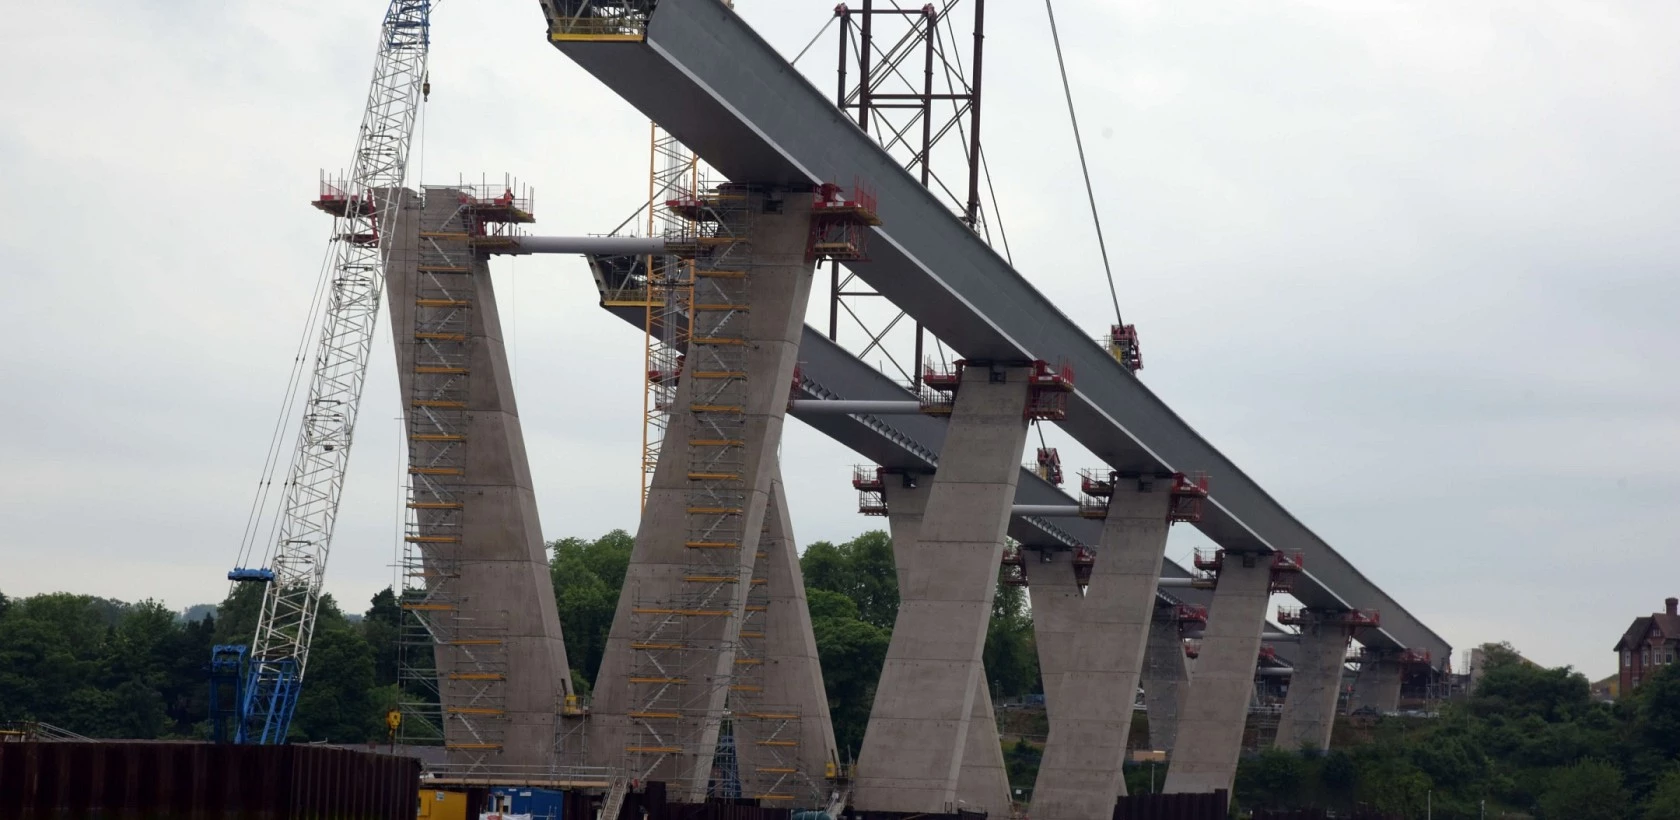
1211	727
1091	648
1309	710
793	706
1166	678
669	663
489	601
919	728
1378	684
982	781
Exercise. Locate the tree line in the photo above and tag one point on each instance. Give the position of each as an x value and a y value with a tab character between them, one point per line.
1527	742
111	669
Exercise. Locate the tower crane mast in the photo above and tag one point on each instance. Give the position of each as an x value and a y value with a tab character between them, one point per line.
362	205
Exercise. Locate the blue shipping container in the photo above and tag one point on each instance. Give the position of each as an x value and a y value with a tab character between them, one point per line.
540	804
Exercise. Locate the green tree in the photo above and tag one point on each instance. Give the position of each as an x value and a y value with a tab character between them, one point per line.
1658	711
1664	801
1588	790
1011	653
861	569
587	577
1272	778
852	653
382	630
336	703
825	604
1518	689
1390	784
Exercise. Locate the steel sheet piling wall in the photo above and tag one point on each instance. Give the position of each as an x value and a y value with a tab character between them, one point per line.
158	781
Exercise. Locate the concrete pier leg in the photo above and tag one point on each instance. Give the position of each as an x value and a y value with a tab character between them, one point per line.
793	706
1090	649
918	729
1377	685
983	781
489	600
1210	729
1309	710
1166	678
670	657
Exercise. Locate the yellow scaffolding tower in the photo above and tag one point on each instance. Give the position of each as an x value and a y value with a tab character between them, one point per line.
454	649
669	291
675	692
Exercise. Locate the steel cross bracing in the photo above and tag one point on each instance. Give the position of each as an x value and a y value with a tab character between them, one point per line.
726	93
899	92
280	649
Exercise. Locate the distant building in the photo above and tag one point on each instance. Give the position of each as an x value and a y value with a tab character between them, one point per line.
1651	641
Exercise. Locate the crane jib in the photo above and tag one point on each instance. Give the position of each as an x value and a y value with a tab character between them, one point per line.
256	689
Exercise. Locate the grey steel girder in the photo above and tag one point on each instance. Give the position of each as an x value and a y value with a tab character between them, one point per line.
717	86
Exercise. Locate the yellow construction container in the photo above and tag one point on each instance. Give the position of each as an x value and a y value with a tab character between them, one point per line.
442	805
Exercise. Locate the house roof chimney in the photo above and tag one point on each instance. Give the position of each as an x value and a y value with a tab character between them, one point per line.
1673	604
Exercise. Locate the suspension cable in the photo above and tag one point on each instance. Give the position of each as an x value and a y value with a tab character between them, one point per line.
1084	168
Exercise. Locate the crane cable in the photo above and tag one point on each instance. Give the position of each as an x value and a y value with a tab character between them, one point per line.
1084	168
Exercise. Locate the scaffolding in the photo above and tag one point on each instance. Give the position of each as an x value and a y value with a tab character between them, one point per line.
676	694
764	736
667	294
871	484
453	659
1096	489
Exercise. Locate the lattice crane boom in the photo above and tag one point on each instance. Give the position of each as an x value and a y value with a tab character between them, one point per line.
361	208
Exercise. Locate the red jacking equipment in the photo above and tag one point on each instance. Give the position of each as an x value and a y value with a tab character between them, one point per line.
1414	657
839	223
1095	488
1098	483
1083	562
1190	614
1189	493
1123	346
1192	648
1048	389
1049	465
1350	620
865	477
1014	566
334	200
1285	566
942	377
937	391
1268	653
871	485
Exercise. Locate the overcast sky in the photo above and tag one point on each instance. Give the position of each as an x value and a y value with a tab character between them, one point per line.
1410	264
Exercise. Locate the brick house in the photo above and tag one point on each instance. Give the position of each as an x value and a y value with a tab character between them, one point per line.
1651	641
